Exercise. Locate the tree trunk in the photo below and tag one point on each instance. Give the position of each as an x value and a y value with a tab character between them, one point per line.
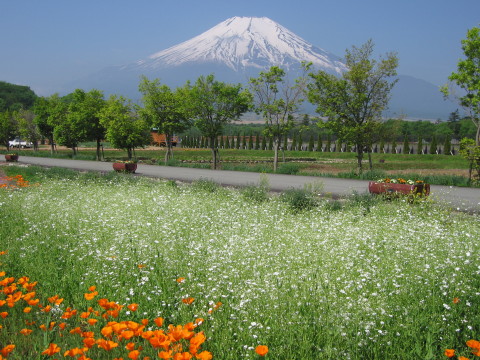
99	157
129	153
169	153
214	152
52	145
370	163
477	139
359	158
275	154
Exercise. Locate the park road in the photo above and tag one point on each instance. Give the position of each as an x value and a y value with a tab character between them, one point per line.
454	198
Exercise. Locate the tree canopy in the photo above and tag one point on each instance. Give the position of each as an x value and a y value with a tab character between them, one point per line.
15	97
353	104
213	104
467	78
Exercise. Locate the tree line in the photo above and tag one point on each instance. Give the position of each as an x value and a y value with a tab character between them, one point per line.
349	109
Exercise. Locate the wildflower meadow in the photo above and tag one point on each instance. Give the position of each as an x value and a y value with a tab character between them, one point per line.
121	267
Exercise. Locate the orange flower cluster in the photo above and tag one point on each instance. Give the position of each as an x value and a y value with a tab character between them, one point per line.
97	329
13	182
474	345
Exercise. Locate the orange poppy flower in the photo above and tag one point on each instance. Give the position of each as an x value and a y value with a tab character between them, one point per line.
89	342
7	350
456	300
165	354
188	300
90	296
261	350
3	314
449	353
26	332
92	321
133	307
134	354
51	350
158	321
73	352
474	344
27	310
204	355
181	280
106	344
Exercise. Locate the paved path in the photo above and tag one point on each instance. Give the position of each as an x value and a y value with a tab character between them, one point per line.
464	199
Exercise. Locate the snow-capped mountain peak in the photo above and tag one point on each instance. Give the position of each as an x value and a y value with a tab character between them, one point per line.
242	42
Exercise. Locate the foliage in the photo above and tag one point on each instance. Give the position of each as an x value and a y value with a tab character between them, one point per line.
299	200
83	117
277	102
354	103
164	109
45	117
467	78
470	151
125	130
8	128
205	185
15	97
213	104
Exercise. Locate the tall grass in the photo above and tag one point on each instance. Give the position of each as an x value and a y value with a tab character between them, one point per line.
364	280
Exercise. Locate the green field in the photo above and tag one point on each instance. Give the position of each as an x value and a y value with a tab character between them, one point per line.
358	279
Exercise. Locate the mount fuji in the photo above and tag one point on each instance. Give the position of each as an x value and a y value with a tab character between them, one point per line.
238	49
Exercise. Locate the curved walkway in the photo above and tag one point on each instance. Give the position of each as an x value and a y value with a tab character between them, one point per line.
455	198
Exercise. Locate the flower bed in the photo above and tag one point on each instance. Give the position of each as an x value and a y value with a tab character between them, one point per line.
401	186
125	166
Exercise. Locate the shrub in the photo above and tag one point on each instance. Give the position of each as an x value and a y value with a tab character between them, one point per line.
205	185
299	199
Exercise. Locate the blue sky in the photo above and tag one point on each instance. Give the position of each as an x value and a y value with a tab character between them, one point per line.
46	43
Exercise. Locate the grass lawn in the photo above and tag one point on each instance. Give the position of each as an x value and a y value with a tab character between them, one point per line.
360	279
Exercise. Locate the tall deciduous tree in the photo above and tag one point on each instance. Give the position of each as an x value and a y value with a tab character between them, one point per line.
354	103
467	77
277	101
125	129
213	104
164	109
83	116
45	110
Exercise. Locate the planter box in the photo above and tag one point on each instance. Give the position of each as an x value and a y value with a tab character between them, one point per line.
389	188
125	167
11	158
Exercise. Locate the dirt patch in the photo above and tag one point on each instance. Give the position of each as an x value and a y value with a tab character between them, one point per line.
458	172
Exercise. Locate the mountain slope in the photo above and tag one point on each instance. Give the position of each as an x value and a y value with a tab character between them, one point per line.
240	43
239	48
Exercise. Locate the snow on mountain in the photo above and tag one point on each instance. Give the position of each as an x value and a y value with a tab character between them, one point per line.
240	43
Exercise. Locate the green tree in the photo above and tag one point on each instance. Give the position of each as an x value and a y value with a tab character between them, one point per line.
27	127
215	104
354	103
311	143
319	143
45	109
420	145
447	145
165	110
82	120
467	78
433	145
406	145
277	101
470	151
125	129
8	128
